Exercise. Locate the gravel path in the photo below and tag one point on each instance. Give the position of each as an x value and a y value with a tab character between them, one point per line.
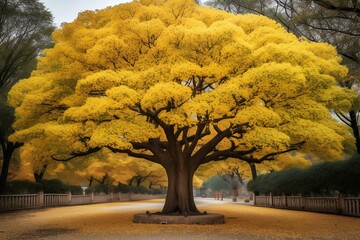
114	221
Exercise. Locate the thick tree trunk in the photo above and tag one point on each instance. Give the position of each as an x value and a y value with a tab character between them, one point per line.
8	149
254	175
39	176
131	181
253	170
90	181
354	126
138	181
179	199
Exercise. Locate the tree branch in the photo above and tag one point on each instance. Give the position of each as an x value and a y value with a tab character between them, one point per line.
330	6
270	156
343	118
75	155
195	138
148	157
224	154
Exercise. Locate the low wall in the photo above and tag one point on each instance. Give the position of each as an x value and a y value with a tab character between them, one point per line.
339	205
26	201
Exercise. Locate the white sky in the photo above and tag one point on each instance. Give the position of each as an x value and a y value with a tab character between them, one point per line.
67	10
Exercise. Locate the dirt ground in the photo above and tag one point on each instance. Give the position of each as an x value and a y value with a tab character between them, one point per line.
114	221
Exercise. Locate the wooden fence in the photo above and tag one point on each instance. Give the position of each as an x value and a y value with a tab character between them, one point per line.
338	205
14	202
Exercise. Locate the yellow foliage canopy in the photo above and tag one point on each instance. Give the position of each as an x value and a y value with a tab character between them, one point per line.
173	81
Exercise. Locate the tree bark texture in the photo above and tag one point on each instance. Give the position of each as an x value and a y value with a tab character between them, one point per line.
253	170
39	175
355	128
180	199
8	149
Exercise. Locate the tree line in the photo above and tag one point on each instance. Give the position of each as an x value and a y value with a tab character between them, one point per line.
25	31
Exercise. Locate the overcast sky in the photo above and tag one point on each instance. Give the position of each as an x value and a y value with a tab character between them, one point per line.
67	10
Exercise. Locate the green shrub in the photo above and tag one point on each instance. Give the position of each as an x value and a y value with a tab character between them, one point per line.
124	188
140	189
22	187
156	191
47	186
100	188
320	179
54	186
75	190
250	186
89	190
216	184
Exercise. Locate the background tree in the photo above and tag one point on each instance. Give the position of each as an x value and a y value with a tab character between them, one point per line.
110	169
36	157
105	167
217	184
334	22
144	173
242	168
181	85
25	30
157	181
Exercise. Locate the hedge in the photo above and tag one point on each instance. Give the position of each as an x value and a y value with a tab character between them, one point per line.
320	179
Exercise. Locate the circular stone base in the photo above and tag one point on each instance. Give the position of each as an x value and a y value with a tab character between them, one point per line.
175	219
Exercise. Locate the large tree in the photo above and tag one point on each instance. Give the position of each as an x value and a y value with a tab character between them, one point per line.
25	30
181	85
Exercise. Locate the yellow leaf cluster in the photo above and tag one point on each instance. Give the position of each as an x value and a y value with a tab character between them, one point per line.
266	139
258	115
317	136
162	94
119	134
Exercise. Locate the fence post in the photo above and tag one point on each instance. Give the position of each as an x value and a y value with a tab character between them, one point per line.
92	197
303	202
254	198
271	199
341	205
111	196
283	200
120	196
40	198
69	198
